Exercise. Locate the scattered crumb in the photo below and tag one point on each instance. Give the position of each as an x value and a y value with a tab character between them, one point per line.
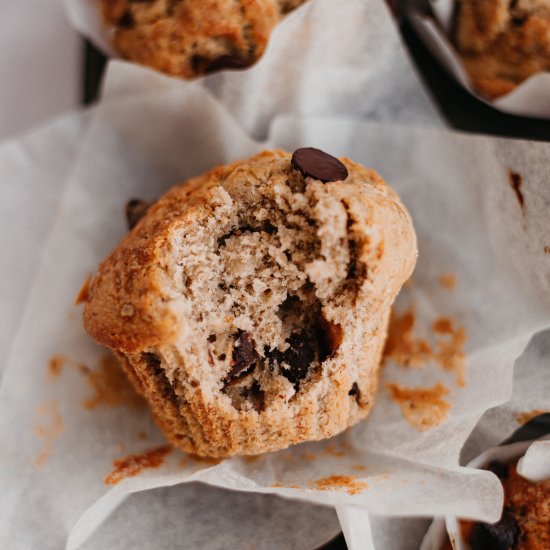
310	457
401	346
423	408
132	465
516	182
48	426
448	281
359	467
279	486
142	435
331	450
251	546
450	354
122	447
335	483
547	249
55	366
84	292
524	417
408	351
110	385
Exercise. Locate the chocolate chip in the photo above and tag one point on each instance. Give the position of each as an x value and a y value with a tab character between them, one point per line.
297	357
499	469
329	336
206	65
244	355
354	390
126	21
135	210
499	536
319	165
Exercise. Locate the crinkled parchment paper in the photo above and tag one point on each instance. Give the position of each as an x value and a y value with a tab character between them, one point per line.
477	227
343	58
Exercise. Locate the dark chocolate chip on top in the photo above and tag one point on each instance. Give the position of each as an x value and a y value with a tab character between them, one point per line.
319	165
135	210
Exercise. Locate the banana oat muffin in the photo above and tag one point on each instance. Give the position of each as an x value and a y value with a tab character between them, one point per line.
525	521
503	42
250	305
193	37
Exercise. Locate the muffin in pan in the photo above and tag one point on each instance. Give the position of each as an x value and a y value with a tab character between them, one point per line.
250	305
193	37
503	42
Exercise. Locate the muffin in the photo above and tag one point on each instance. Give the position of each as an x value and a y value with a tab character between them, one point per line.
525	521
193	37
250	305
503	42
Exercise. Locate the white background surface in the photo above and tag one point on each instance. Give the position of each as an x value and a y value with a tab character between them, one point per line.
40	58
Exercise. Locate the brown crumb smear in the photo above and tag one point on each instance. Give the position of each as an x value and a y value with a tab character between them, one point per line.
448	281
84	292
516	182
526	416
339	482
529	505
423	408
48	425
55	365
408	351
132	465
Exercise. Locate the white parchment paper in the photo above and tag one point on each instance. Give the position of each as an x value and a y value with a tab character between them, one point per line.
469	223
530	98
323	58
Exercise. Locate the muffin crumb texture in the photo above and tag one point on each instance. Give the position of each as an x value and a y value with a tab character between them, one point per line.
250	305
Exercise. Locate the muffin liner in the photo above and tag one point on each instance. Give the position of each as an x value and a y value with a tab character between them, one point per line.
318	61
530	98
482	265
450	526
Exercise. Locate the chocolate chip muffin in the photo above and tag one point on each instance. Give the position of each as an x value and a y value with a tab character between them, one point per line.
193	37
250	305
503	42
525	521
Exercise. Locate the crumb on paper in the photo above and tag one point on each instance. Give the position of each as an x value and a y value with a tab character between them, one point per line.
359	467
423	408
142	435
526	416
401	346
132	465
310	457
448	281
84	292
110	385
332	450
55	365
48	425
516	183
280	486
350	484
406	350
547	249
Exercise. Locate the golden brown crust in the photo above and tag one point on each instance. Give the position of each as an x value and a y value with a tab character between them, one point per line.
136	308
193	37
503	43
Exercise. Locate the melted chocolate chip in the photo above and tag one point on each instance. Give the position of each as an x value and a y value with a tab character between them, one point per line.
206	65
499	536
319	165
354	390
126	21
297	357
499	469
244	355
329	337
135	210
